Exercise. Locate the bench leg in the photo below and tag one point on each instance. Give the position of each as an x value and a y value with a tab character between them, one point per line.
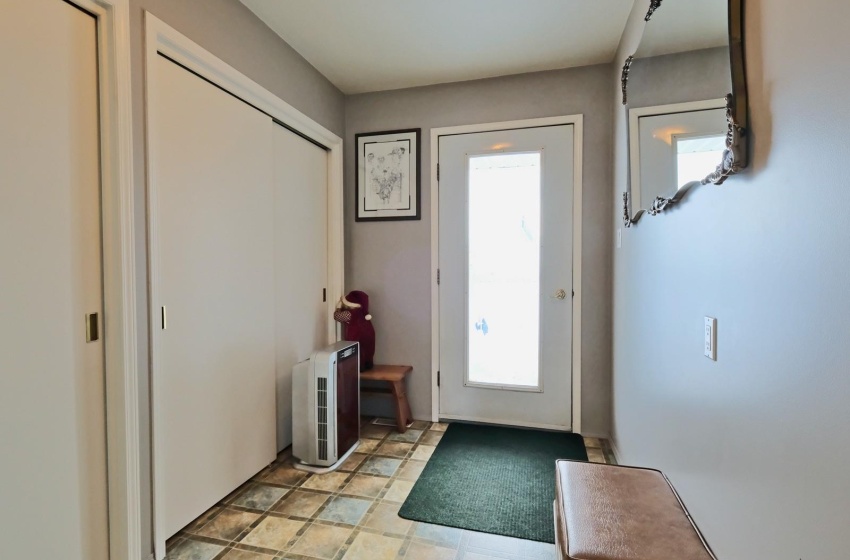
402	407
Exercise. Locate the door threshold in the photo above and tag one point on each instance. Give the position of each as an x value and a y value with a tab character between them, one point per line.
553	427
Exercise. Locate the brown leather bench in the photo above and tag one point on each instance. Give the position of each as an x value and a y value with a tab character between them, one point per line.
611	512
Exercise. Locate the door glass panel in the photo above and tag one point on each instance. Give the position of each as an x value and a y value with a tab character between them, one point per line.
503	291
697	157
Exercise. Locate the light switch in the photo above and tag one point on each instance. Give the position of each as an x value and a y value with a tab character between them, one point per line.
711	338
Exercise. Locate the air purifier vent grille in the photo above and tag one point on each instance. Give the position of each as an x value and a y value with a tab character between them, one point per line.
322	416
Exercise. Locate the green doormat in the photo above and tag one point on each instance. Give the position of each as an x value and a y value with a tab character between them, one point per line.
493	480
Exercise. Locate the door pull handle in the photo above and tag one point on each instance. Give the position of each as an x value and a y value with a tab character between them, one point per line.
92	327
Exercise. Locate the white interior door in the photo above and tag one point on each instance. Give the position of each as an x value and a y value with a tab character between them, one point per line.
505	229
212	242
52	420
301	261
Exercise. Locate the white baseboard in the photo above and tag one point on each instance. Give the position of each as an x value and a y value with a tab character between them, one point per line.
614	450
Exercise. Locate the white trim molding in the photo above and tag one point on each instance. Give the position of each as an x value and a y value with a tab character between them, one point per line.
119	277
578	122
163	39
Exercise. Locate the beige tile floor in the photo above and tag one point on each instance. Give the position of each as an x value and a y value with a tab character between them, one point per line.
352	514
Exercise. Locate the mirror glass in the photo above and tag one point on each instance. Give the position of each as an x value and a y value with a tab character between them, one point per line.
674	145
677	84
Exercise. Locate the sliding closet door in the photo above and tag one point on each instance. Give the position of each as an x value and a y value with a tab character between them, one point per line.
301	261
213	298
52	421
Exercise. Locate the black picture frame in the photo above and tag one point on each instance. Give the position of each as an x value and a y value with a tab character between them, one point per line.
379	179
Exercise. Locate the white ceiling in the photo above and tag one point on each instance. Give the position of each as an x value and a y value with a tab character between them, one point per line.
373	45
685	25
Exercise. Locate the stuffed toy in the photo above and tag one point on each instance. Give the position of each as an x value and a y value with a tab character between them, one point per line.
353	312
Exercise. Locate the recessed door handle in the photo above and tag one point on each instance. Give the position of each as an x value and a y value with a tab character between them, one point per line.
561	294
92	327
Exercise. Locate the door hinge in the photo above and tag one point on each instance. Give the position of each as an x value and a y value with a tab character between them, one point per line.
324	295
574	293
438	172
164	319
438	379
438	276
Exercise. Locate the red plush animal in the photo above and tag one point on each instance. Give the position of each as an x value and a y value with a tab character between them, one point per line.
353	313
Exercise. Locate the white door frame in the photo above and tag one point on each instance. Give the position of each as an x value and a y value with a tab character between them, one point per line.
578	122
119	276
163	39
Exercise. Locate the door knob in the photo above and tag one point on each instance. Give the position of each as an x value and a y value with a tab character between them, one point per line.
561	294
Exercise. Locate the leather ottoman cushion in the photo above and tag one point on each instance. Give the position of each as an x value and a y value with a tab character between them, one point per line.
610	512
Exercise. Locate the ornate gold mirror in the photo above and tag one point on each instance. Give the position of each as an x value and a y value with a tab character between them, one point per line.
685	94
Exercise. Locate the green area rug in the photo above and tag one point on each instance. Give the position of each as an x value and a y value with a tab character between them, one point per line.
493	480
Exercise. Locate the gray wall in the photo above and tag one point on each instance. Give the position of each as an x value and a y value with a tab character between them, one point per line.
679	78
230	31
391	260
757	443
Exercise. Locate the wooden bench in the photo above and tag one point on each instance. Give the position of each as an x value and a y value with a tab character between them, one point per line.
394	376
624	513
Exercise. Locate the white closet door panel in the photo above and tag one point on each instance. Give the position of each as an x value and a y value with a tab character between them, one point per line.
52	423
301	257
214	380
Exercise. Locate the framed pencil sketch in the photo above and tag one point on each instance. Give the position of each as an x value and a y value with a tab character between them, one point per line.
387	180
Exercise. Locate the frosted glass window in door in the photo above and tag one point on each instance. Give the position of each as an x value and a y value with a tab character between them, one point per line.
503	291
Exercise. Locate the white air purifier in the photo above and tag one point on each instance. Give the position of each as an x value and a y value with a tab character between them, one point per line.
326	407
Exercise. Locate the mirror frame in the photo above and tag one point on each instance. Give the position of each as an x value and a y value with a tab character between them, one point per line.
736	154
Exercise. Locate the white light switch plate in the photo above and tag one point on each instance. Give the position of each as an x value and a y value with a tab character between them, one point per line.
711	338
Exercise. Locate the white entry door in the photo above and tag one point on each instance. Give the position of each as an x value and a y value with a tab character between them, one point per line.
53	498
505	229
